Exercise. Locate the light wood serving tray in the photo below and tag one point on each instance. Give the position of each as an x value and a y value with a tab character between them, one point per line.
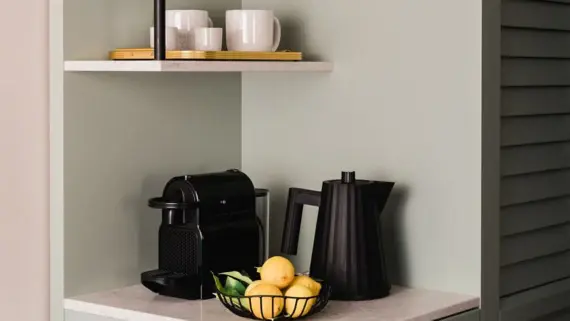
148	53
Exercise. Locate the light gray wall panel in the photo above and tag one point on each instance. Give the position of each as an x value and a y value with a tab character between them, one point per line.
536	14
540	301
534	187
535	215
528	274
535	101
518	42
535	72
126	134
532	130
535	158
293	125
535	244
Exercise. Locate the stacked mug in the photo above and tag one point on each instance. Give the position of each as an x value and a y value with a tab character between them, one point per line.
246	30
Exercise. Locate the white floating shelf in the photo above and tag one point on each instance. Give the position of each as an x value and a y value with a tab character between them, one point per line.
197	66
136	303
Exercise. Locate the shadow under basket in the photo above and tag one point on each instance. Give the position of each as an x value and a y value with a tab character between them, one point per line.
238	305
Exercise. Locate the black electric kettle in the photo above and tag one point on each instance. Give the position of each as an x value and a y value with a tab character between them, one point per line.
347	251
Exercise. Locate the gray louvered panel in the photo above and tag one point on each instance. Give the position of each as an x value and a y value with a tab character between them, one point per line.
466	316
536	14
563	315
536	215
535	158
534	244
528	274
529	305
533	130
518	42
534	187
535	72
555	1
535	101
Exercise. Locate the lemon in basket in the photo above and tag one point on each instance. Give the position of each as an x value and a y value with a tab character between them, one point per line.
299	304
267	307
251	286
307	282
278	271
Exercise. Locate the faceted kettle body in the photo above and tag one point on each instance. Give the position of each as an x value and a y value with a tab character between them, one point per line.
347	251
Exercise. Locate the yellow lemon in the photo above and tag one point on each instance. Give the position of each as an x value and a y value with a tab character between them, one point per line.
266	308
277	271
307	282
251	286
298	307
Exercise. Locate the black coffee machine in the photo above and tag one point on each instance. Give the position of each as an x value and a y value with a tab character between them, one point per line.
209	224
347	252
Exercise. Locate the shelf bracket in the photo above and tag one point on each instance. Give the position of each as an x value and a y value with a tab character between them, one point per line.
159	29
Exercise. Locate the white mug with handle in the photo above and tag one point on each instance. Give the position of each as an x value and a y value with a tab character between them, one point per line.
186	21
252	30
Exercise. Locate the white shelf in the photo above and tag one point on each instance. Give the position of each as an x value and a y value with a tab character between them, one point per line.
136	303
198	66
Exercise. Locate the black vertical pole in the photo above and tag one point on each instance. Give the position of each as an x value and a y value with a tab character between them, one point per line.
159	30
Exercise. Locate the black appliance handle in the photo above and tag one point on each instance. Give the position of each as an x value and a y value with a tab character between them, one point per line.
161	203
261	239
297	199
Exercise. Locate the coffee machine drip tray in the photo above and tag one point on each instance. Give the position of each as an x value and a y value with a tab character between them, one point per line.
178	285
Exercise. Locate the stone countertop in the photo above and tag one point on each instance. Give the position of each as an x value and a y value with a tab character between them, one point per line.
136	303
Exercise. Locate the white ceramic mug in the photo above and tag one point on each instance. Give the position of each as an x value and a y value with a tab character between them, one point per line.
252	30
186	21
208	39
171	38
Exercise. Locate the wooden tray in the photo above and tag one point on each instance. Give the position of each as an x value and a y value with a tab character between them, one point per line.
148	53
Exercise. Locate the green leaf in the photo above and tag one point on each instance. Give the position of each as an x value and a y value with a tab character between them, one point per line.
240	302
218	283
239	276
235	286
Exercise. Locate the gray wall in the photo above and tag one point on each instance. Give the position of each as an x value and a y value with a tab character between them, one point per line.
126	134
403	104
535	157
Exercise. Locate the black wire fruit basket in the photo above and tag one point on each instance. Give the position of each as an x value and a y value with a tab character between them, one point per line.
263	307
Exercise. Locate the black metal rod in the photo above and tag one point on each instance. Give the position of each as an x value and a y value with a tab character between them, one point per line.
160	29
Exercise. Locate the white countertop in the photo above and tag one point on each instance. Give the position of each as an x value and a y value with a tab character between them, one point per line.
136	303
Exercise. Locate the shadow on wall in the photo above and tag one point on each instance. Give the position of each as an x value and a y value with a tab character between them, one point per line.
393	236
295	37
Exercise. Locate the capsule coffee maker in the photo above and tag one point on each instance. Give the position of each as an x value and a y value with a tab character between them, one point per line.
347	251
209	224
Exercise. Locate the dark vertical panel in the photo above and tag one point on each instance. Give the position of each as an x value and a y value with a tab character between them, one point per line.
537	302
535	215
535	72
535	101
473	315
535	244
535	158
529	274
534	130
490	150
534	187
535	43
536	14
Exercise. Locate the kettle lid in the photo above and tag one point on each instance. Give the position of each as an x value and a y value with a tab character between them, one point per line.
349	177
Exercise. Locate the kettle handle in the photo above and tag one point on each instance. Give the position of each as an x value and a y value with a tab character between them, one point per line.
297	199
